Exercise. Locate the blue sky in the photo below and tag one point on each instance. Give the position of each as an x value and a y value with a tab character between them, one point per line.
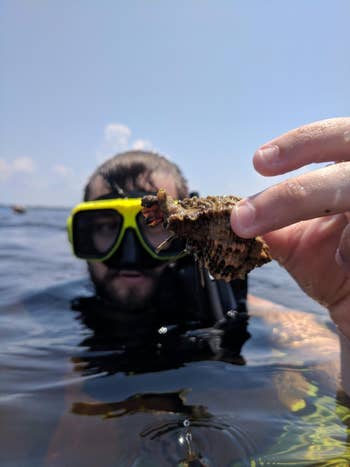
204	82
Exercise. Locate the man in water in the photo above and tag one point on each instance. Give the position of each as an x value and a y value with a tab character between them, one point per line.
138	289
129	280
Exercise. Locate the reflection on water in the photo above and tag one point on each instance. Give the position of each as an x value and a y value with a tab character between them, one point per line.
68	399
166	403
59	409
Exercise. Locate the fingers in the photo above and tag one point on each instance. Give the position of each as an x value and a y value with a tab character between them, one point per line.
342	255
323	141
322	192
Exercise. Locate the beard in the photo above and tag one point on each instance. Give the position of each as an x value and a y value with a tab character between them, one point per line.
133	298
129	301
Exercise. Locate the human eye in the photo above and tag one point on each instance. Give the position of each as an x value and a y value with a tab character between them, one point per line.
104	232
154	235
105	227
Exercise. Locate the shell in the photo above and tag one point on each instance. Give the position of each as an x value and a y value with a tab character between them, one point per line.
205	225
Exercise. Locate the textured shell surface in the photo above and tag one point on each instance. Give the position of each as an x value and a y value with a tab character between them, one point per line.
205	224
200	218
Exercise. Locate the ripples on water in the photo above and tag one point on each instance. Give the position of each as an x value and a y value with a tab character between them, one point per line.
65	403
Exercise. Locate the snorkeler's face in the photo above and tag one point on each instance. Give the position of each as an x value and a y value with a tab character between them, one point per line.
130	281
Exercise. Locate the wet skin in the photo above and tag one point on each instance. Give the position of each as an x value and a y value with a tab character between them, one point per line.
306	219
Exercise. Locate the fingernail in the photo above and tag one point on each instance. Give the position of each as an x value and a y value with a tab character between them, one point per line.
268	154
243	216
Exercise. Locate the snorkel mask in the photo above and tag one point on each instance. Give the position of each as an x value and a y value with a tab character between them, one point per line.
113	231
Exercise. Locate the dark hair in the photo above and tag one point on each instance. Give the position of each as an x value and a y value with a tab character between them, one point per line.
134	170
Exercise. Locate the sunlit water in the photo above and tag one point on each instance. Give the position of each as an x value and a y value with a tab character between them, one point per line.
63	403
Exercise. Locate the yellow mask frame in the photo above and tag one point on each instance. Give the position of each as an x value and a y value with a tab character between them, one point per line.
129	210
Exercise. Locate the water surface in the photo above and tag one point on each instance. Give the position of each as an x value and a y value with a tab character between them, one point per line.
64	402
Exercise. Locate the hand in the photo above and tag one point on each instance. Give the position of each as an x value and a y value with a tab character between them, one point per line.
305	219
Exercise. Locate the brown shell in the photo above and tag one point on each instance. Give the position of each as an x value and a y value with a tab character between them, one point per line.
205	225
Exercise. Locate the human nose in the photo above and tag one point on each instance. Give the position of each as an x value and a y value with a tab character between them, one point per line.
127	254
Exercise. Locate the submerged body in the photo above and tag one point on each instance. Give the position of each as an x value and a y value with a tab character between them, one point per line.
205	225
279	408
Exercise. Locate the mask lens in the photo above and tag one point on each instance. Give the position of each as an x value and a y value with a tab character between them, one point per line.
95	232
156	235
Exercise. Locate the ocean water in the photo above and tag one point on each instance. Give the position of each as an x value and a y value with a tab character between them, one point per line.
63	403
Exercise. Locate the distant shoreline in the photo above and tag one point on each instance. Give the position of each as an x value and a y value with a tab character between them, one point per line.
33	206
